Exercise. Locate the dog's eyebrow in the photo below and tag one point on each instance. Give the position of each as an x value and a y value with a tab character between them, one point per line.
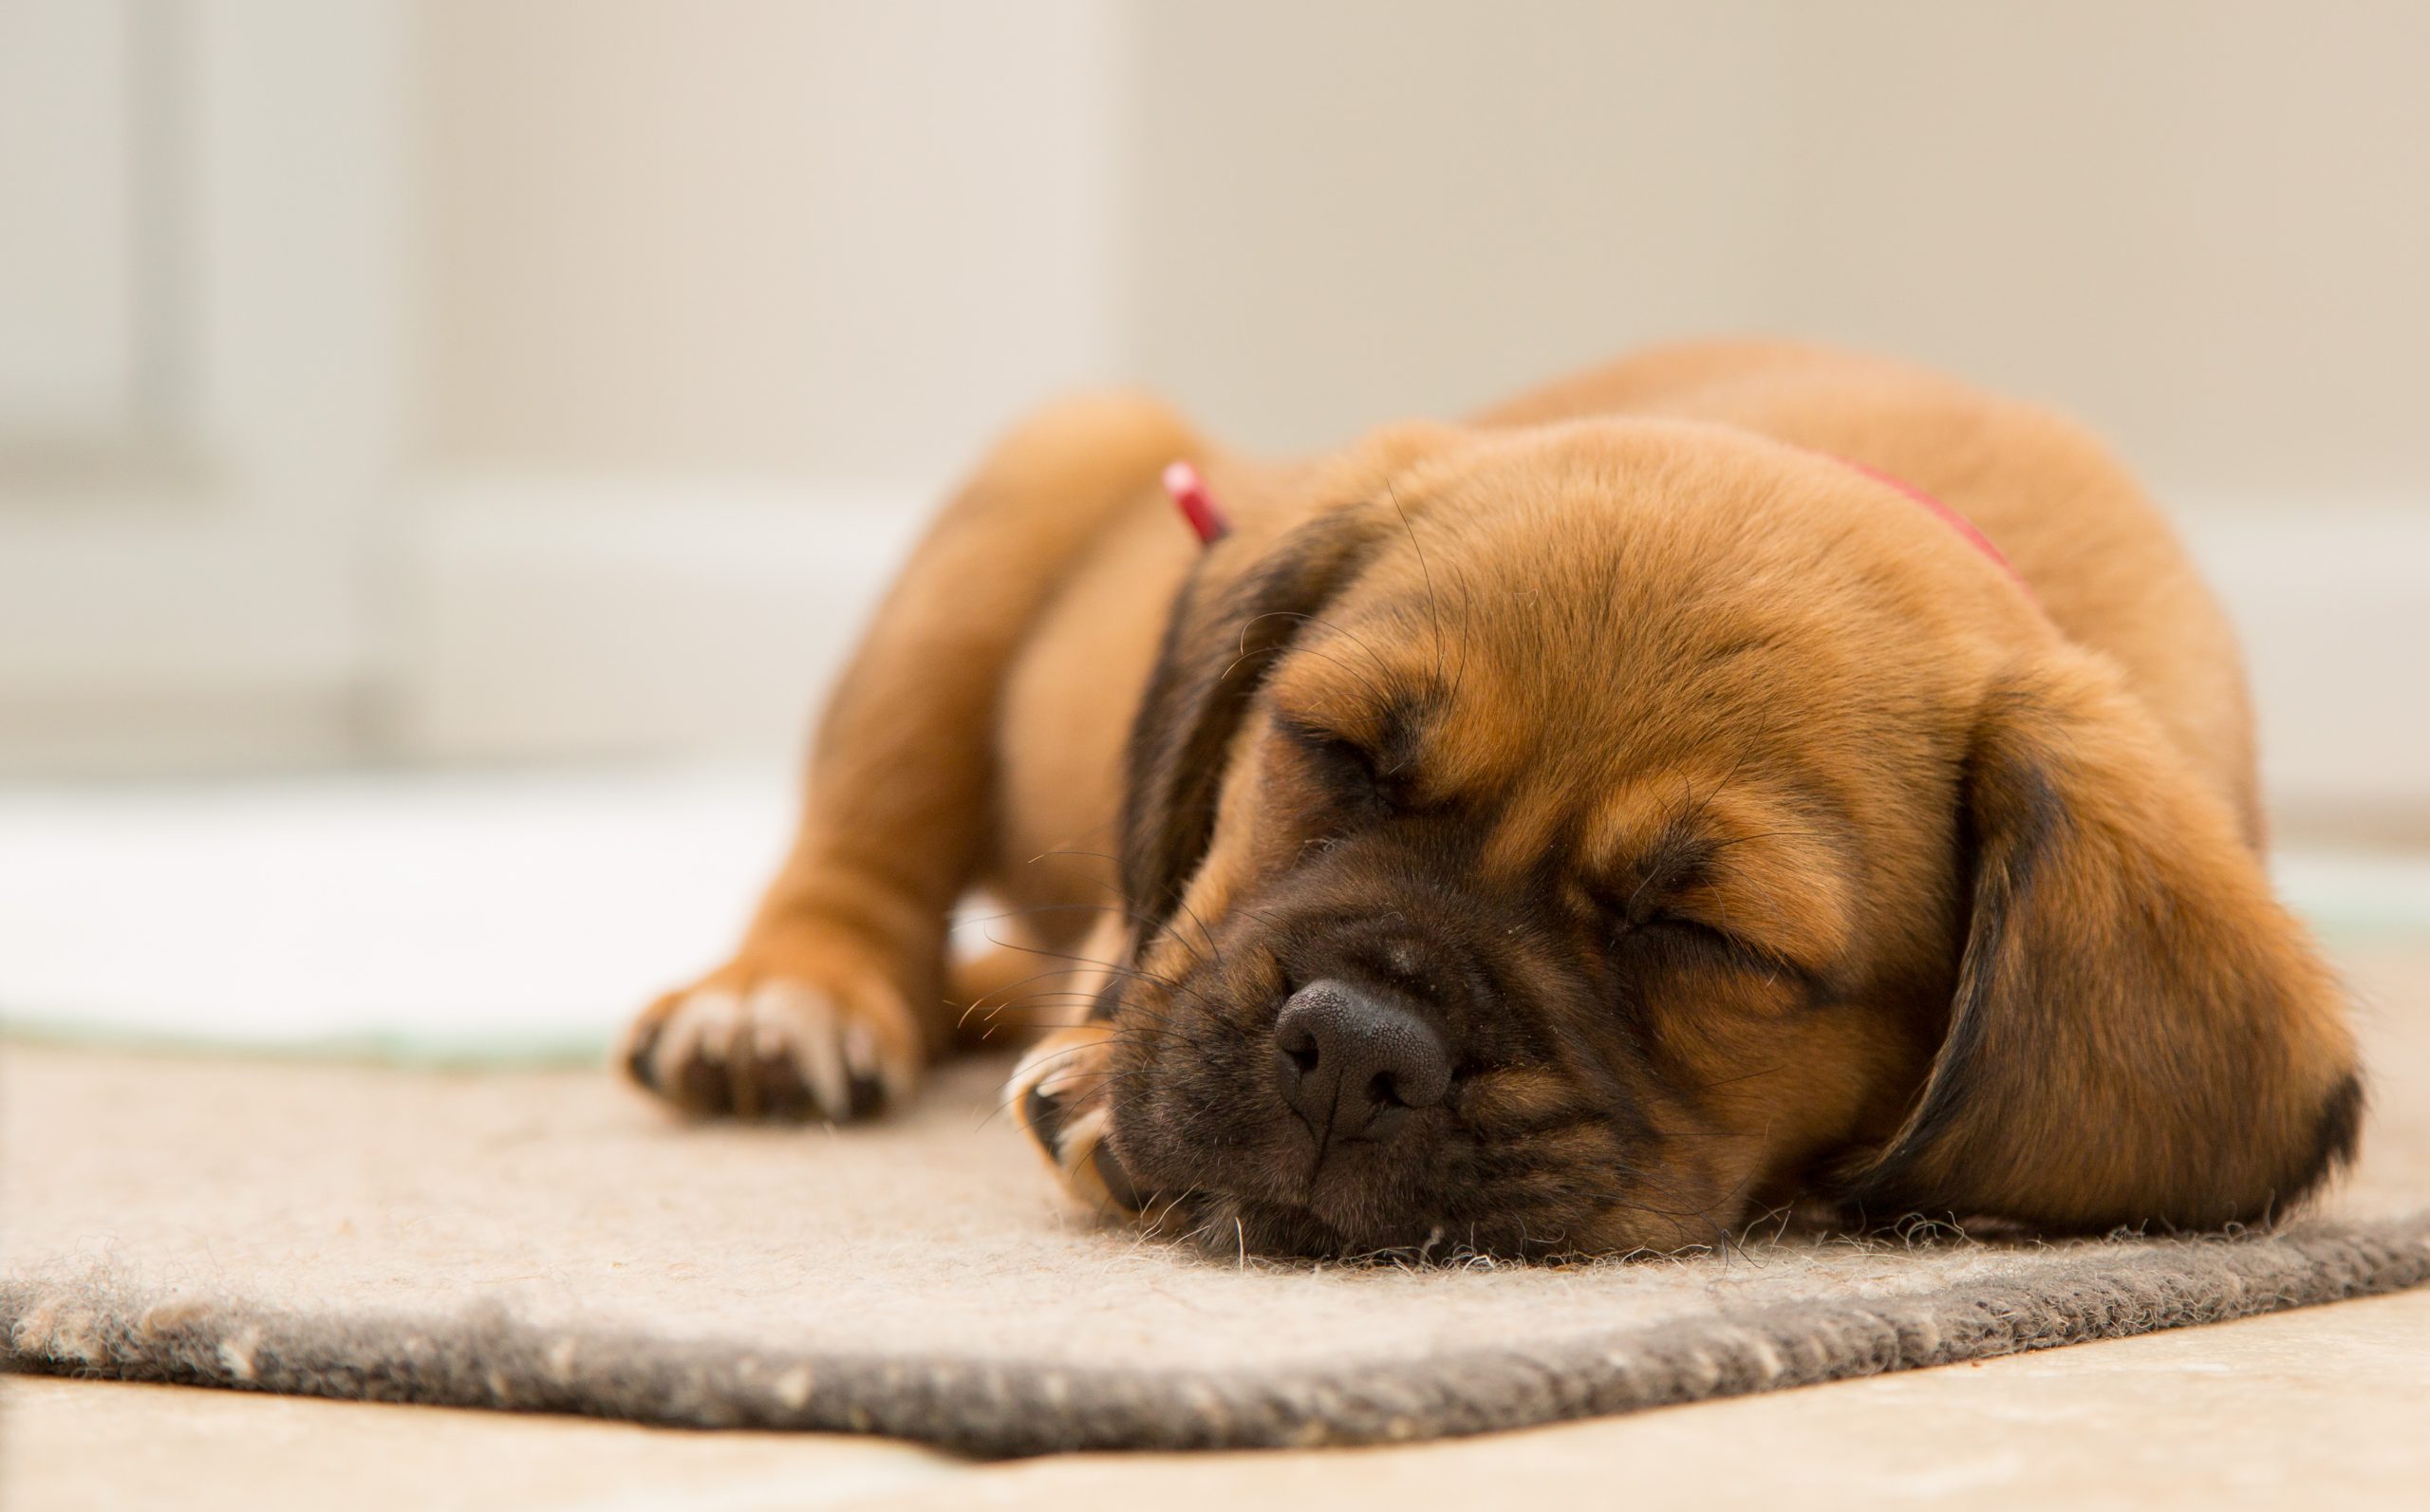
1779	884
1401	729
1679	856
1390	726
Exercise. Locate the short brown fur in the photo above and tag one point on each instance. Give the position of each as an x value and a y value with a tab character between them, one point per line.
1745	834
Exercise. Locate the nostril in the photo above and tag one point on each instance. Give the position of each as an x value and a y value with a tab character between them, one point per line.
1357	1061
1298	1045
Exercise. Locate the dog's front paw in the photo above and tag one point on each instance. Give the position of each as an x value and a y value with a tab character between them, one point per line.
784	1032
1062	1091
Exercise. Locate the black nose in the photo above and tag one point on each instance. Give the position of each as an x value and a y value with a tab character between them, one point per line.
1353	1063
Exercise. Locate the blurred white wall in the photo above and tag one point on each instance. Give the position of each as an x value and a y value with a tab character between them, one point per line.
2200	224
832	240
829	240
716	302
68	289
699	305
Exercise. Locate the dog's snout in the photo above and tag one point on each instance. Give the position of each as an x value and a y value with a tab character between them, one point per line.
1353	1063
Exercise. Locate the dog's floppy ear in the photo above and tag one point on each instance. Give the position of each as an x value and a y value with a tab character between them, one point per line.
1231	621
2139	1034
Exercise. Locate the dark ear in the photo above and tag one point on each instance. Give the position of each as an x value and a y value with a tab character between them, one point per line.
1232	621
2139	1034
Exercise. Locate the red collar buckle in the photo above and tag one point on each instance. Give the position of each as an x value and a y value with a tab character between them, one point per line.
1197	506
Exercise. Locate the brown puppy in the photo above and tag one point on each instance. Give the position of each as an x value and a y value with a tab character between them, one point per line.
1572	831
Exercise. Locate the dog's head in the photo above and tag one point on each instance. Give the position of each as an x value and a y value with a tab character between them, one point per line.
1579	837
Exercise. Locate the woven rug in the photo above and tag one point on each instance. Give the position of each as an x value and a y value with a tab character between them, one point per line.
547	1241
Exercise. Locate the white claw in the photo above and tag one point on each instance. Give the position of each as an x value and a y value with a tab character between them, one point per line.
860	1054
801	1023
689	1032
870	1062
721	1025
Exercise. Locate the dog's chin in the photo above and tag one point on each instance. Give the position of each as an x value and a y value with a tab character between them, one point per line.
1225	1225
1255	1197
1262	1215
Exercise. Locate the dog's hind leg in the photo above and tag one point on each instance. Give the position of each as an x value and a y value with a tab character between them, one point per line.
835	1002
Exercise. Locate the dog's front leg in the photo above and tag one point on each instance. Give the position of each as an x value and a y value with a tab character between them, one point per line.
834	1003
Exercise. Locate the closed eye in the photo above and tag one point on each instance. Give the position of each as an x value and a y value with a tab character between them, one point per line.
1691	931
1347	767
1708	944
1634	919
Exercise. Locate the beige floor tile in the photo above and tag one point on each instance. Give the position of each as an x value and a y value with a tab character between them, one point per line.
100	1447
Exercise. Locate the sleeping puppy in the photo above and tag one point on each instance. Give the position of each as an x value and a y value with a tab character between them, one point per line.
1743	775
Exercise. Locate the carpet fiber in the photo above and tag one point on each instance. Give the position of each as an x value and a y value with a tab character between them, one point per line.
546	1241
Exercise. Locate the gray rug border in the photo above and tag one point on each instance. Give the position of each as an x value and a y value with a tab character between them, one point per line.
97	1324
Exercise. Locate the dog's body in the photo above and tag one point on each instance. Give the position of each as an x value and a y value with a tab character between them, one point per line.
1651	811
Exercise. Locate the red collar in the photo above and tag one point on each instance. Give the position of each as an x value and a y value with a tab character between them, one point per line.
1947	516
